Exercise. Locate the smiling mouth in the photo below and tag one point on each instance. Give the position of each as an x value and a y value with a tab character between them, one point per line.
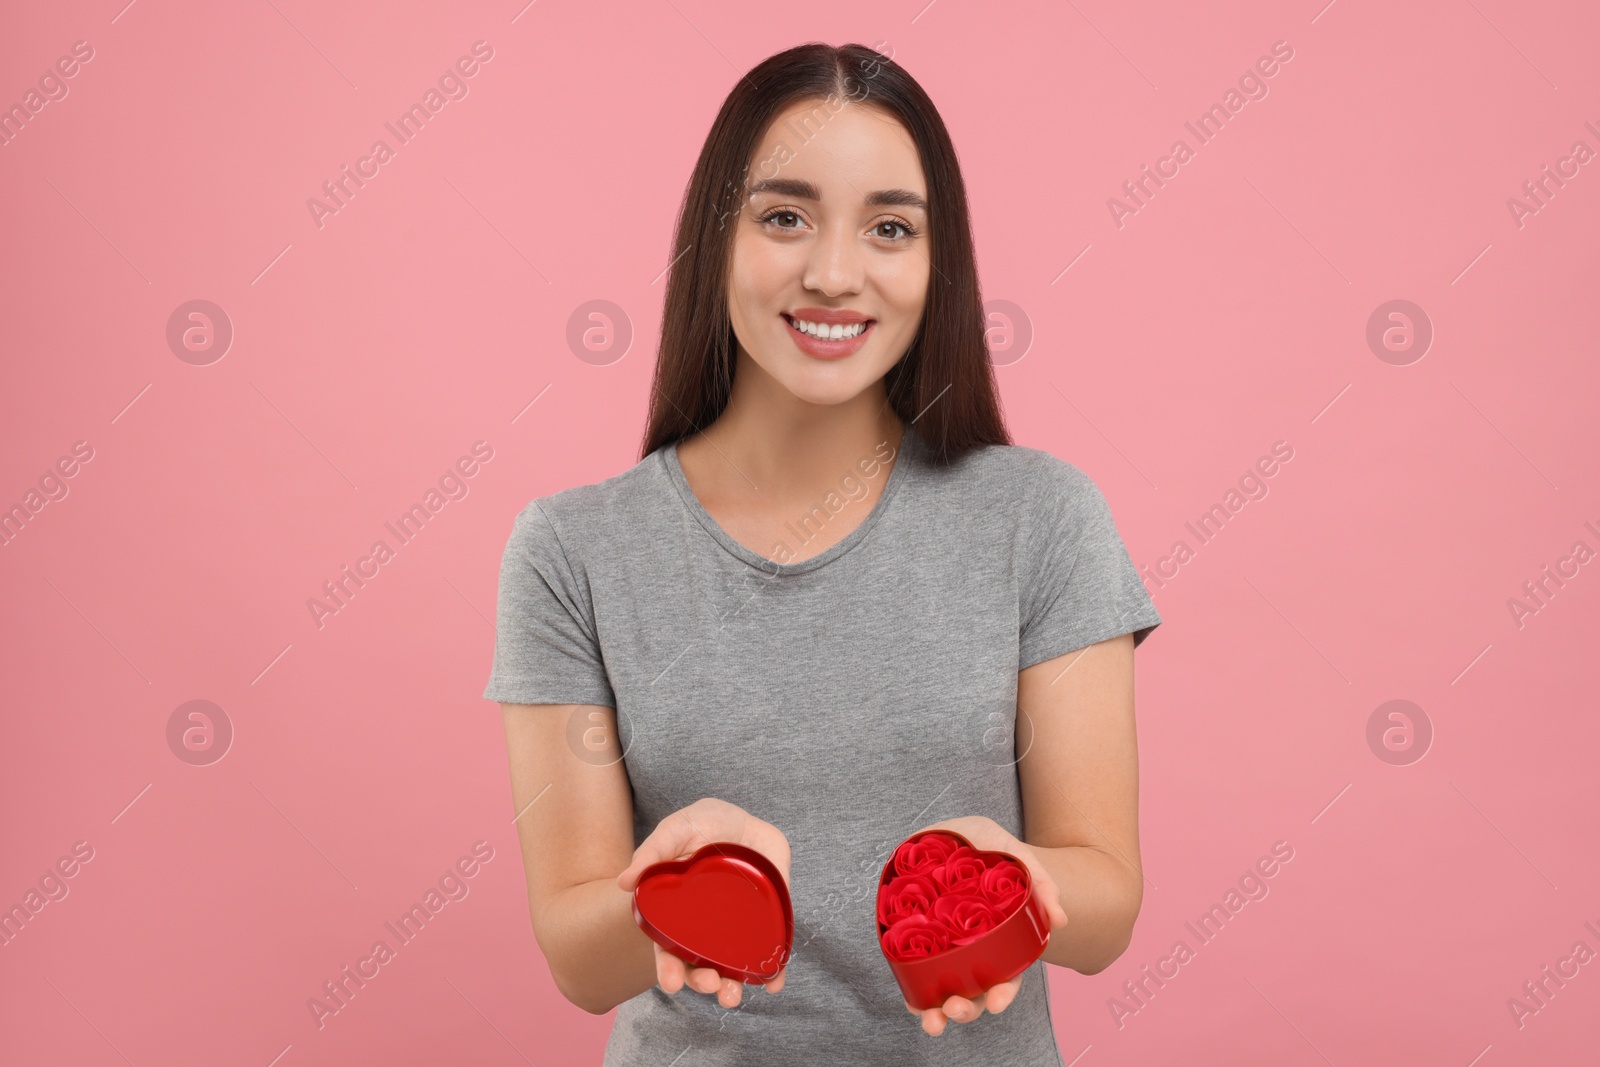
824	332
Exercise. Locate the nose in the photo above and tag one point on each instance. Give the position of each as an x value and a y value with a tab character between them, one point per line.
836	265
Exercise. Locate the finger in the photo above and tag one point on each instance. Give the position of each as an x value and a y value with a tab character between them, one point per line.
771	842
1049	895
933	1021
999	998
728	996
669	840
962	1010
705	980
1058	914
670	973
776	983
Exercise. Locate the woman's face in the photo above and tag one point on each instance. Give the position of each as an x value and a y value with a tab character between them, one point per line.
834	233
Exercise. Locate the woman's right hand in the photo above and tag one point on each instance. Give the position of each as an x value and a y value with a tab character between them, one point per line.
681	834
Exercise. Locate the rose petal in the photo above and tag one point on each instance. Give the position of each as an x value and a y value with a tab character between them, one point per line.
921	854
907	895
970	918
1005	886
915	937
960	871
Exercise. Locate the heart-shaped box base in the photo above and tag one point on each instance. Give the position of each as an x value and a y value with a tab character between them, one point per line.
967	970
725	907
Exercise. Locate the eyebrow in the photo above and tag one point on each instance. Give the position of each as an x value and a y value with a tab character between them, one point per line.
804	190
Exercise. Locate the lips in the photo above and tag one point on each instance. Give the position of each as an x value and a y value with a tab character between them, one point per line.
820	348
829	316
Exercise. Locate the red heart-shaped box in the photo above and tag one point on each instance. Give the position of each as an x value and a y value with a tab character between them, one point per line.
726	907
967	970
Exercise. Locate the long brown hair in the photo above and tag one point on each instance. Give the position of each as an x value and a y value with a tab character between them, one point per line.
943	387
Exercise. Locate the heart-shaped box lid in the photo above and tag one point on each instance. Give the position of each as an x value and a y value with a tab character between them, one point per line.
726	907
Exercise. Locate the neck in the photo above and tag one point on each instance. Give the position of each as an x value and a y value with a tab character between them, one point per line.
783	446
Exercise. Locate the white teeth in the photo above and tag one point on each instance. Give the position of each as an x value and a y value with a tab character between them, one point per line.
829	333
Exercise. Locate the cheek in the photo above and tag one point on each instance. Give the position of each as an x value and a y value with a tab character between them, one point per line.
904	285
745	286
760	274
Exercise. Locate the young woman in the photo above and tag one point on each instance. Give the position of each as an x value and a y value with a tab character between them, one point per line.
830	606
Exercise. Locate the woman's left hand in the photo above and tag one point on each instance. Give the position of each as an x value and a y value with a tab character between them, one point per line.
987	835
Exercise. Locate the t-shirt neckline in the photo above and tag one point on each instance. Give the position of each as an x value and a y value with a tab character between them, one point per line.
910	449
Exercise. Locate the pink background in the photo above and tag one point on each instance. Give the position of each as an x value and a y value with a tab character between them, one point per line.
1167	355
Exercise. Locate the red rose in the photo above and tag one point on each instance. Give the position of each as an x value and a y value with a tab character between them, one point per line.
914	937
921	855
910	894
969	917
1004	885
960	873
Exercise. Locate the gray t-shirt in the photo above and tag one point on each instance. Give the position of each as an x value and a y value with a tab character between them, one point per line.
849	699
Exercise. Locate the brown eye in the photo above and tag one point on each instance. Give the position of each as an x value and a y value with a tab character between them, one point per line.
779	214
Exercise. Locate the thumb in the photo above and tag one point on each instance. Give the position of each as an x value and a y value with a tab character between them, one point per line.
670	839
1049	895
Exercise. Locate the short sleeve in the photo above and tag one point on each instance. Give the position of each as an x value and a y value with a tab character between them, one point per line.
1077	584
546	648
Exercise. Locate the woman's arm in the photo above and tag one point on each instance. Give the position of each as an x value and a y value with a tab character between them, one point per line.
1080	796
1079	775
575	825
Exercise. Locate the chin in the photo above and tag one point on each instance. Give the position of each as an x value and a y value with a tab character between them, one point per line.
825	391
